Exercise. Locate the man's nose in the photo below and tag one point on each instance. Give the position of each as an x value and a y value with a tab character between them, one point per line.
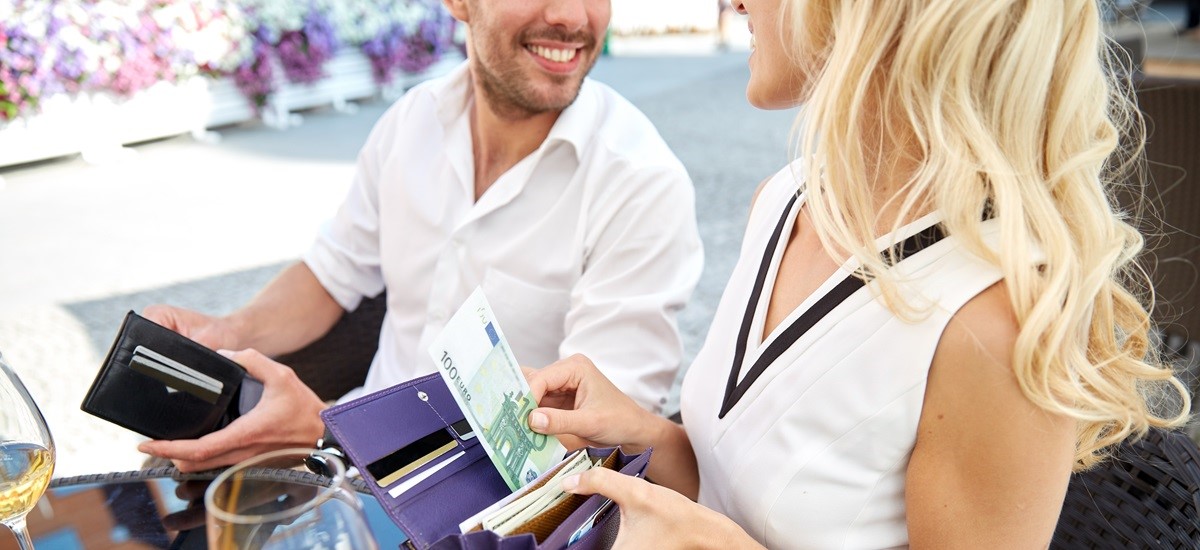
570	14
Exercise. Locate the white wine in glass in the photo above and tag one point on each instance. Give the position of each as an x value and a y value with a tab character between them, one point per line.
26	454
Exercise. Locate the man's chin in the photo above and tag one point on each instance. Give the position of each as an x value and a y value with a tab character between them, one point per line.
531	91
556	103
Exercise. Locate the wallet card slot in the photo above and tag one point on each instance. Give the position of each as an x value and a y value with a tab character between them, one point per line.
149	406
411	457
450	464
463	430
378	425
172	379
435	507
596	525
595	509
179	369
420	477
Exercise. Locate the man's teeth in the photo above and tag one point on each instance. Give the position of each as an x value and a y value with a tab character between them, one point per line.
555	55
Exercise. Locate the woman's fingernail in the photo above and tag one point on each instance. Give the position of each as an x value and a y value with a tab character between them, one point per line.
226	353
538	421
570	483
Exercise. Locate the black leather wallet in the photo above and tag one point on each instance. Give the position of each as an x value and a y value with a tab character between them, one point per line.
163	385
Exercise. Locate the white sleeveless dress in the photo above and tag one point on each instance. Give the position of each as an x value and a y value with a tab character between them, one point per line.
814	453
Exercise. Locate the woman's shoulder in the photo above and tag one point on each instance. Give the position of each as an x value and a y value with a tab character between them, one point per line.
985	327
777	188
981	441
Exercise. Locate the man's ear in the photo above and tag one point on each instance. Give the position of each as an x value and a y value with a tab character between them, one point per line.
458	9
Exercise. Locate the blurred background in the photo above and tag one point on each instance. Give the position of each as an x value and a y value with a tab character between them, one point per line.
185	151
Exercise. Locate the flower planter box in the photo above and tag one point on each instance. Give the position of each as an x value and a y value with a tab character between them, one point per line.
98	122
226	104
72	124
404	81
347	77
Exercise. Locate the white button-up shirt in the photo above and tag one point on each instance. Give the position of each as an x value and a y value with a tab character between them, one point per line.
588	245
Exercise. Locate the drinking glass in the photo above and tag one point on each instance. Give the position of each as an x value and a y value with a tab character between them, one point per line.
26	454
256	505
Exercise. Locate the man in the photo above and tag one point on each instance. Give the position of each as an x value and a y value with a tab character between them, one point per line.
512	173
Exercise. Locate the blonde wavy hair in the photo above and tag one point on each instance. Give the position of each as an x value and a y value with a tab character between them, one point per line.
1016	109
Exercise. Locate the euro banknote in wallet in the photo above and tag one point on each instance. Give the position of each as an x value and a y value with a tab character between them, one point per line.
485	379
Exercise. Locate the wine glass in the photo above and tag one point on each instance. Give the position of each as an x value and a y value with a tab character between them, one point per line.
26	454
261	504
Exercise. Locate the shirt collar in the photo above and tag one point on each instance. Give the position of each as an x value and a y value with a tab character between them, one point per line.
575	126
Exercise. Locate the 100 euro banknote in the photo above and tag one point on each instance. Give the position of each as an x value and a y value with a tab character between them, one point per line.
475	361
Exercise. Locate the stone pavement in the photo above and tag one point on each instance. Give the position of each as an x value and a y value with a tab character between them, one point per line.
204	225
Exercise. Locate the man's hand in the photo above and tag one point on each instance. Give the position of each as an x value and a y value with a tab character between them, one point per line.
209	331
656	517
192	517
288	415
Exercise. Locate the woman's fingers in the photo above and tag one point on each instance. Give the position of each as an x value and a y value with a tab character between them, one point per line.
625	490
550	421
561	376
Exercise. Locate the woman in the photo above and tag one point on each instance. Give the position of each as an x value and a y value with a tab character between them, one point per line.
998	349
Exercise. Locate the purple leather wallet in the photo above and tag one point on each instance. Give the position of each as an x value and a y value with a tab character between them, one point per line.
417	454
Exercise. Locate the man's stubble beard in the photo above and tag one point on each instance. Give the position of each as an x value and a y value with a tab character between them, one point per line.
510	96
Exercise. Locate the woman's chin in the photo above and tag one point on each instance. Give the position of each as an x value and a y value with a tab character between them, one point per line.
767	102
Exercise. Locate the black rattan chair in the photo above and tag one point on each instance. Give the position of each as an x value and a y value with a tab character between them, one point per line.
1146	496
1184	354
1172	112
338	362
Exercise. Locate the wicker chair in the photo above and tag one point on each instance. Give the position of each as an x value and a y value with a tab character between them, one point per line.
1146	496
1172	111
338	362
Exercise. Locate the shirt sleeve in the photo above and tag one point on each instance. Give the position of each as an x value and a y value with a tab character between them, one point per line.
345	256
643	261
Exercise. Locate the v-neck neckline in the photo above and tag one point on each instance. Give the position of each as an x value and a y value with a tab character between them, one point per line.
759	322
772	279
816	306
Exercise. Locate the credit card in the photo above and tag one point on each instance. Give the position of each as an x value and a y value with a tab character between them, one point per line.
463	429
403	487
173	379
183	370
408	458
589	523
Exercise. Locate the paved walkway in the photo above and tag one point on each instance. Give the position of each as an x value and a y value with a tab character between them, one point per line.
204	225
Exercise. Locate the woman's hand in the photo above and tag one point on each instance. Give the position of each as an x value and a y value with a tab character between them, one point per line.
653	516
582	407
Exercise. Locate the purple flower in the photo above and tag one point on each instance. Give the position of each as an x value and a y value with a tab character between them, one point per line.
303	53
410	52
99	45
23	77
384	53
255	78
424	47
